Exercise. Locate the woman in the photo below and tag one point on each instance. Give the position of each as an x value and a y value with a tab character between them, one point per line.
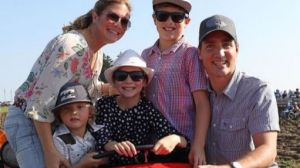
74	56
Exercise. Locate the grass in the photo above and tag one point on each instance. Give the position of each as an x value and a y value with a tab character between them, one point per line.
290	163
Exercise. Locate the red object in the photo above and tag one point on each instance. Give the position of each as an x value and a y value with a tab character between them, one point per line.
158	165
2	137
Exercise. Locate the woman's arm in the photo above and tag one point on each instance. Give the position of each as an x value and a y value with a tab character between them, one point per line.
53	159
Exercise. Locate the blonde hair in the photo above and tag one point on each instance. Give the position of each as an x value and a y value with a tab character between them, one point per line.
85	20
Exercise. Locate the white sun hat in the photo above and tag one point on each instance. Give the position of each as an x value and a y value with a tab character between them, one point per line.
128	58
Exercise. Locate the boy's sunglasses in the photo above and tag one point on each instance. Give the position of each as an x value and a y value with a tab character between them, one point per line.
134	75
177	17
125	22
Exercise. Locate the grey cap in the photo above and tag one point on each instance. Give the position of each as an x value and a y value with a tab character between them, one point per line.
185	4
217	23
71	93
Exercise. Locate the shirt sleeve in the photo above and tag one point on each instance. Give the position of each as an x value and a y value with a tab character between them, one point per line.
64	59
195	70
61	147
264	115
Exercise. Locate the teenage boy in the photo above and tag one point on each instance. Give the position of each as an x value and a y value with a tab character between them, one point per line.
178	88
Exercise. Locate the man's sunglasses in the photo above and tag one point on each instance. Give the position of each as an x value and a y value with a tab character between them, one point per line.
134	75
177	17
125	22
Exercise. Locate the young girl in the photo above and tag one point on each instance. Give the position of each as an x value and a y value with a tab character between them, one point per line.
73	137
130	119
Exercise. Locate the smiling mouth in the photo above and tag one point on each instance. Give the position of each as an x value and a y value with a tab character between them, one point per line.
114	32
128	88
169	29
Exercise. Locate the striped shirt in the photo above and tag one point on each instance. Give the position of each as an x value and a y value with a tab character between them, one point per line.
178	72
247	106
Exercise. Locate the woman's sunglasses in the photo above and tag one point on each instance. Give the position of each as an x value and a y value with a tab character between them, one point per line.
177	17
134	75
125	22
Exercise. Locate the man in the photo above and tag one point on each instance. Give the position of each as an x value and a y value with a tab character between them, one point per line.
244	121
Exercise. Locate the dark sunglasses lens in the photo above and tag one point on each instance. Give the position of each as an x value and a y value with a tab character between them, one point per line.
178	17
125	22
112	16
137	76
120	75
161	16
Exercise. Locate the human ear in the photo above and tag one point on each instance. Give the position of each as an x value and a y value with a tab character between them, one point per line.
187	21
154	19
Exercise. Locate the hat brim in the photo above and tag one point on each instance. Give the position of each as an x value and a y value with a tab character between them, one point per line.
223	30
108	72
55	109
184	4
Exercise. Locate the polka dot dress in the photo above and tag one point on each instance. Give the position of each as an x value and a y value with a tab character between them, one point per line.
141	124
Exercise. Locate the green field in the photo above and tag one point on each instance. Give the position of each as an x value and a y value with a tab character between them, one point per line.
3	109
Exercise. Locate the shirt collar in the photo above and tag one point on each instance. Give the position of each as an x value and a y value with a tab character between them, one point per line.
231	89
171	49
62	129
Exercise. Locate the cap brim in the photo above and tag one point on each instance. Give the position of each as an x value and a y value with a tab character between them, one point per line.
224	30
69	102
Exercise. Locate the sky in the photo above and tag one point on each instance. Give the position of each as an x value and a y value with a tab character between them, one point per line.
268	32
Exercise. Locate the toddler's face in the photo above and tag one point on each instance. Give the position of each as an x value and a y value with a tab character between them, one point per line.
75	115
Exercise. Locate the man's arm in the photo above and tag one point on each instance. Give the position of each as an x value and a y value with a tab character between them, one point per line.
263	156
265	150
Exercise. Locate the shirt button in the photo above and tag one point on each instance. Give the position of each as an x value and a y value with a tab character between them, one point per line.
230	126
214	125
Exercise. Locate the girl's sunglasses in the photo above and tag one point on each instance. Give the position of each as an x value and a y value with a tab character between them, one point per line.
134	75
125	22
177	17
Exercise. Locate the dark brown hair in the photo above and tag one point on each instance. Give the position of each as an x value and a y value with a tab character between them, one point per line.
85	20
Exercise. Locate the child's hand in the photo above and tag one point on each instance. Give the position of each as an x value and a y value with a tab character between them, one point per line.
197	156
167	144
125	148
89	161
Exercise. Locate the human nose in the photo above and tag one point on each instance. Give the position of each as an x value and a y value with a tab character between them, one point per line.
222	52
219	51
75	112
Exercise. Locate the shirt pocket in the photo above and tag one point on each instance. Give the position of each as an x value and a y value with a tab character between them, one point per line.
234	135
233	124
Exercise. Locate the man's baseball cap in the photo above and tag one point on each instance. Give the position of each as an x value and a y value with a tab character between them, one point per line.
185	4
217	23
71	93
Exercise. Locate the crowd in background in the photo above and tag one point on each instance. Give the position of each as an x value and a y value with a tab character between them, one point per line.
288	103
